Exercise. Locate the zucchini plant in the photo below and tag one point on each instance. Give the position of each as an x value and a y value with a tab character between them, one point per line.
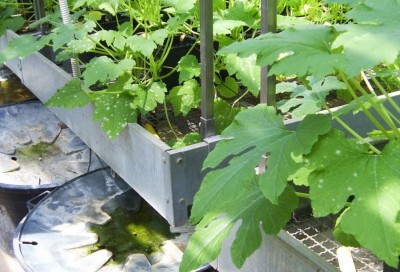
125	75
347	175
129	67
129	70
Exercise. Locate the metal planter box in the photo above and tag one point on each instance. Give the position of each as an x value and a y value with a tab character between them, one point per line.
166	178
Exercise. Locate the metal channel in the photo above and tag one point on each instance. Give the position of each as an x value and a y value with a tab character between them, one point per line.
268	24
207	120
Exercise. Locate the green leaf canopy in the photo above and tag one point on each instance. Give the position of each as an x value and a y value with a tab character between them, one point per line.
255	132
300	51
109	70
372	38
344	168
113	112
71	95
305	101
255	211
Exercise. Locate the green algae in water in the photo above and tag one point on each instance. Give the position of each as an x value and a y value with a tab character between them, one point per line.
127	233
39	150
11	89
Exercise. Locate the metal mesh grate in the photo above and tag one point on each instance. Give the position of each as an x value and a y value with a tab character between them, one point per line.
316	234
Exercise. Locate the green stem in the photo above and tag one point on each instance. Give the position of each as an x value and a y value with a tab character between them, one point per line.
237	100
176	67
351	131
363	108
169	121
104	48
384	92
394	118
302	195
166	50
380	109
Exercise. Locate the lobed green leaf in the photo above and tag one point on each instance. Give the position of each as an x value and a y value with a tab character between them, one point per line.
304	50
109	70
255	132
255	212
146	99
113	111
188	68
305	101
228	88
374	182
245	70
186	97
224	27
141	44
71	95
22	47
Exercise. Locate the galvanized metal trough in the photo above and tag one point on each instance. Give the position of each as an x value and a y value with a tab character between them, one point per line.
169	178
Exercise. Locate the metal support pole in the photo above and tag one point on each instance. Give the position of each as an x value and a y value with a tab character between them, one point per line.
268	24
207	121
66	17
40	13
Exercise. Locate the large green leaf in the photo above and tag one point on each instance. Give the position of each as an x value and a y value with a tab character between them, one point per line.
188	68
224	114
66	33
186	97
249	205
246	70
255	132
367	46
111	37
243	11
22	46
147	44
304	101
71	95
370	11
300	51
9	19
344	168
113	111
225	27
147	99
228	88
376	37
180	6
108	71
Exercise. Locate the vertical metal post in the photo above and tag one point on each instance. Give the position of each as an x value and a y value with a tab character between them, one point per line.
268	83
40	13
268	24
207	121
66	17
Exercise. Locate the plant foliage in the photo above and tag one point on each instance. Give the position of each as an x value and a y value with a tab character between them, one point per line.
347	175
